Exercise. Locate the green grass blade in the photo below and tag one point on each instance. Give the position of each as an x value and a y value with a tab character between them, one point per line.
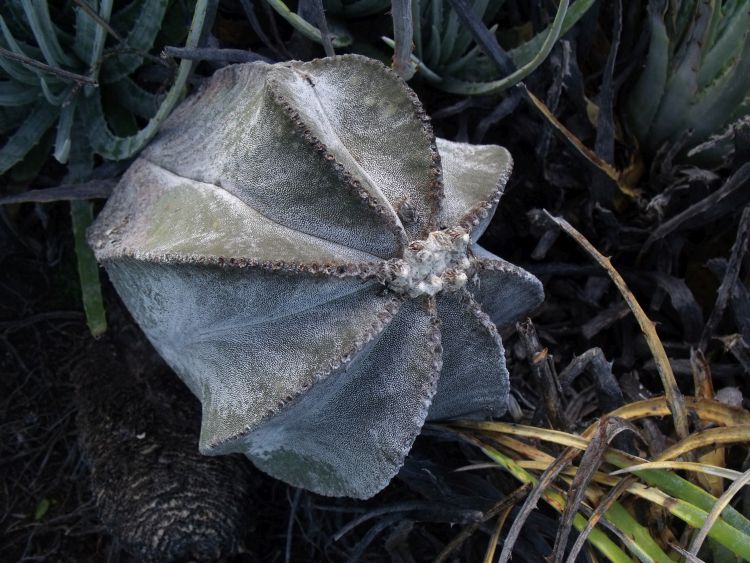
81	214
597	538
28	134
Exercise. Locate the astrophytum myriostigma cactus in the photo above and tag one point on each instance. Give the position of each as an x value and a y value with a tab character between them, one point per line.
302	251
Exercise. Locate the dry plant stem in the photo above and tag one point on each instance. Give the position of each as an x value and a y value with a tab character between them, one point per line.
720	505
739	249
543	372
504	506
703	383
675	398
590	462
541	488
614	174
67	75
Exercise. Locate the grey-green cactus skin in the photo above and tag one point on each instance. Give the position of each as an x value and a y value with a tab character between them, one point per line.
302	251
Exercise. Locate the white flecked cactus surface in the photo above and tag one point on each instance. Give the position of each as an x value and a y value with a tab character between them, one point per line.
302	251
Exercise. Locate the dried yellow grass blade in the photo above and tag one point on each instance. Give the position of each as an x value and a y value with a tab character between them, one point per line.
708	410
711	438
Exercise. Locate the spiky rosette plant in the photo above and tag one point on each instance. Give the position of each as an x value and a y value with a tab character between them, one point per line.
696	74
303	252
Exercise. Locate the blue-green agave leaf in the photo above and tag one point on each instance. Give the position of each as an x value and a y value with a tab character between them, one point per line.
726	49
16	94
64	128
37	14
15	69
140	40
644	100
524	53
456	86
682	82
28	134
116	148
85	36
137	100
341	37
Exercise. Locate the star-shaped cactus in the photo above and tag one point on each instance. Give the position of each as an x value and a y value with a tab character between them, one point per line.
301	249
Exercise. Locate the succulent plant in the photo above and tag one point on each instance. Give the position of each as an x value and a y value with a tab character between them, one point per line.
63	63
445	51
303	252
696	74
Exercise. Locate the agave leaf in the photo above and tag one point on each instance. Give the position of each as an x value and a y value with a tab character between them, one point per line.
86	28
449	35
682	84
14	94
137	100
116	148
726	50
280	243
455	86
64	127
435	19
648	91
15	69
12	116
416	18
339	40
38	122
37	14
140	40
97	47
715	105
464	38
524	53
